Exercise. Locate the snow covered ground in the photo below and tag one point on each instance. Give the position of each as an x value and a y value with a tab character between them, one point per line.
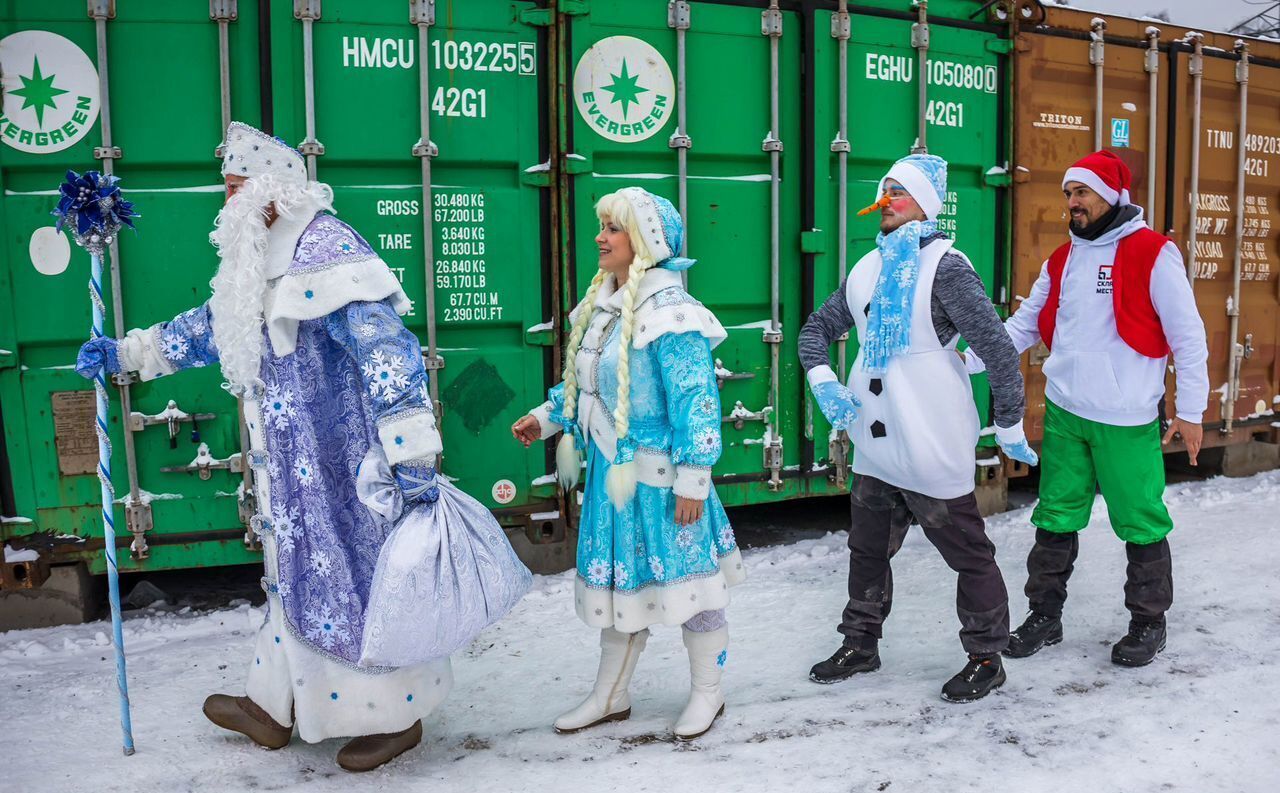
1204	717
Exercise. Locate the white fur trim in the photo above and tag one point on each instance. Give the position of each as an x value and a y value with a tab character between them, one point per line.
658	604
251	152
654	280
821	374
692	317
620	484
413	437
282	239
1008	436
692	482
294	684
917	184
139	351
546	426
329	289
1094	182
654	469
568	463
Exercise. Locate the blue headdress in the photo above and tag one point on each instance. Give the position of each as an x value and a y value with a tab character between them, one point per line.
660	225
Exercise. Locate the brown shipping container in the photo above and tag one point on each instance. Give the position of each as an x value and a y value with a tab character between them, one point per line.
1148	115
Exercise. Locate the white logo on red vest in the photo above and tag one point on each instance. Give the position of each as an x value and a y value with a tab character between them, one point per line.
1104	279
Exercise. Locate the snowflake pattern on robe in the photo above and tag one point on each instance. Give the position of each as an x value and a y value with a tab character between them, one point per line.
675	411
326	628
186	341
175	347
326	542
387	375
277	407
284	527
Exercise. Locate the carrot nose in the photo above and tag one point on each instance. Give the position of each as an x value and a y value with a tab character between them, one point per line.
881	204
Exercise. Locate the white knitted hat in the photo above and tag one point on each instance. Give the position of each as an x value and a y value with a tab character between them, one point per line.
251	152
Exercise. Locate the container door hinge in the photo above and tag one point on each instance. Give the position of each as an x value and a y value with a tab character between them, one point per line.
813	241
224	10
540	335
997	176
102	9
838	455
306	9
537	175
536	17
422	12
138	520
1000	46
543	17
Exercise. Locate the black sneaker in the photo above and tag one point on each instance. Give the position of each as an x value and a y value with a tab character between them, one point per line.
1140	645
1036	632
846	662
982	674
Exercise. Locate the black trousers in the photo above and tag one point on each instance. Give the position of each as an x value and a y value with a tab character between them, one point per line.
1148	587
882	513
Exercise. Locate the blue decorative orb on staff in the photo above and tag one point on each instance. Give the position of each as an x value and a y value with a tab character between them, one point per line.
91	212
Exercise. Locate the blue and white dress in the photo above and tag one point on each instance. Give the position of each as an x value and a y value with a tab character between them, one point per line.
636	567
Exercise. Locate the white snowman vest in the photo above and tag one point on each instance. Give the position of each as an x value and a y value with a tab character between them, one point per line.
918	426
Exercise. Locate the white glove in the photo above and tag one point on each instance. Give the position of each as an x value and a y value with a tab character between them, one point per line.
972	363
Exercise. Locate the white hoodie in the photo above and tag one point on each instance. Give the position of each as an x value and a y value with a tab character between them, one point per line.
1091	372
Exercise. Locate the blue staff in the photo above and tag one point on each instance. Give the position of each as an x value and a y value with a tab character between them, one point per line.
92	211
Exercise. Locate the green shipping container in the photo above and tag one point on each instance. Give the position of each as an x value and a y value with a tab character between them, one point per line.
468	142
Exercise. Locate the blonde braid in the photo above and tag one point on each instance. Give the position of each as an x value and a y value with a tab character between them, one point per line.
576	333
622	413
620	482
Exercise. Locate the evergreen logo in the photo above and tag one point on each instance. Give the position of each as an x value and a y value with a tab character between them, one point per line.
50	92
624	89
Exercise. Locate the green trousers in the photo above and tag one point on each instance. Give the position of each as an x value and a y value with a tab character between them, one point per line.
1078	456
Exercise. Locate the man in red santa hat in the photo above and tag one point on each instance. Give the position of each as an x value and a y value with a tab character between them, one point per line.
1111	305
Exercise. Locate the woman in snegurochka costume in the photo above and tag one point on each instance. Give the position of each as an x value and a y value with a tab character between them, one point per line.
640	397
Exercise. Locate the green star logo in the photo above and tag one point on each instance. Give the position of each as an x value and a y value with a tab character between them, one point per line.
37	92
624	89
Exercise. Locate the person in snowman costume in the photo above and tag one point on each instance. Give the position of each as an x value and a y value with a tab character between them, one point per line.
908	409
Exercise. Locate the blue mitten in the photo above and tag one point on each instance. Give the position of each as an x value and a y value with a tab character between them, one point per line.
1013	442
417	481
837	403
99	353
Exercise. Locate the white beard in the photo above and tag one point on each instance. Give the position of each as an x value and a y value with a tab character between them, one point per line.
240	235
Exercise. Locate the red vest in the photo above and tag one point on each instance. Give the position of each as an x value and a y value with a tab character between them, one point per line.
1136	317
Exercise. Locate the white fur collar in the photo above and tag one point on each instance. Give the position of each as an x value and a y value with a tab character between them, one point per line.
654	280
282	239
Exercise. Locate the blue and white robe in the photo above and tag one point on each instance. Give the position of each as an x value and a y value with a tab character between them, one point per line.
635	566
342	374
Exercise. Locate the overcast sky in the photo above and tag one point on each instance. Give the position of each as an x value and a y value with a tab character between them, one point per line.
1209	14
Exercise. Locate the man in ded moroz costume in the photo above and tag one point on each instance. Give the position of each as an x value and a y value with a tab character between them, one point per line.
640	398
909	411
304	320
1111	305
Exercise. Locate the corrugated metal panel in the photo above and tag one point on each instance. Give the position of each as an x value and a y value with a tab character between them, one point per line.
1058	121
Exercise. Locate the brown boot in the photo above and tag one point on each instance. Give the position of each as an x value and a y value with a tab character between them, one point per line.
242	715
370	751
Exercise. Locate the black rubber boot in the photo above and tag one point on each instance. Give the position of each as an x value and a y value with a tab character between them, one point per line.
980	676
1140	645
1034	634
845	663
